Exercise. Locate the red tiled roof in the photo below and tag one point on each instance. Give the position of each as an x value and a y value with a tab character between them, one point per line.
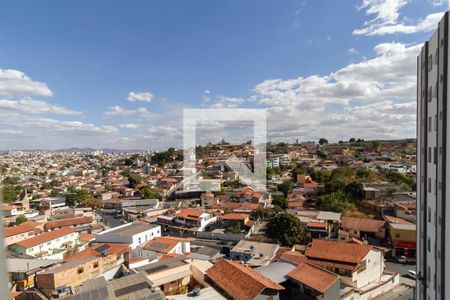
239	281
313	224
293	257
68	222
91	251
314	277
45	237
241	206
366	225
190	214
86	237
234	216
22	228
168	241
337	251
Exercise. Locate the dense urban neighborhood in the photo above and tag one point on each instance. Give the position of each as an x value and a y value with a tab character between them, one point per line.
337	221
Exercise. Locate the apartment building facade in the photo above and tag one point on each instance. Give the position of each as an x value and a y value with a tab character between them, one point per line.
433	266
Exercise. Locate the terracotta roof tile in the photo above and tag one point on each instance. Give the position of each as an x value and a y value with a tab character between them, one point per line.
45	237
337	251
235	216
366	225
239	281
293	257
163	244
92	250
68	222
190	213
314	277
22	228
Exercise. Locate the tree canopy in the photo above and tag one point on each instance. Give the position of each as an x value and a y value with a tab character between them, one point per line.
287	229
338	201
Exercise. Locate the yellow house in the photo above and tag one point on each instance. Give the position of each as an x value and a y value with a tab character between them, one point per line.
403	238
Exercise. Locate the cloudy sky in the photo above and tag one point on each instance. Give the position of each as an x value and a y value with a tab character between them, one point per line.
118	74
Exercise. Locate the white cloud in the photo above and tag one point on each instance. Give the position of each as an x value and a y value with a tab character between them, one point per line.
140	96
35	107
121	112
386	20
353	51
390	75
130	126
228	102
14	83
301	107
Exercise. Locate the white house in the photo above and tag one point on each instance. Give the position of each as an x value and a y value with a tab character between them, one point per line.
134	234
46	244
194	218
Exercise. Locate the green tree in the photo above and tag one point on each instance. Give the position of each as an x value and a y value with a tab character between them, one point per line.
323	141
352	140
11	180
342	174
355	190
235	228
134	180
149	193
75	197
260	213
285	187
287	229
338	201
321	176
280	201
10	193
21	219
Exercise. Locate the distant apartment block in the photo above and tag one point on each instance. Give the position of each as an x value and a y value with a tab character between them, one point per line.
433	267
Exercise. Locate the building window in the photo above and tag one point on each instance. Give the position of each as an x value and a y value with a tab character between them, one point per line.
429	154
430	63
429	214
429	245
80	270
430	124
435	155
430	94
429	185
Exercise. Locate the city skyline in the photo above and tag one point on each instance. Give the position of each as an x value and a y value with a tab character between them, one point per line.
118	76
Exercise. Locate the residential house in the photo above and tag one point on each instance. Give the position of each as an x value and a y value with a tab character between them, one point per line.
357	264
72	222
133	234
134	286
314	283
100	260
163	245
317	230
22	271
402	237
169	274
191	217
254	254
20	232
239	282
363	227
46	244
239	220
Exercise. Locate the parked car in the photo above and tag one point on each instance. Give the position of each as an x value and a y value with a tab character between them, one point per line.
406	260
412	274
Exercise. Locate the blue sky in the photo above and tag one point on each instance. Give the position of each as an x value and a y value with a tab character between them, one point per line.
322	68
